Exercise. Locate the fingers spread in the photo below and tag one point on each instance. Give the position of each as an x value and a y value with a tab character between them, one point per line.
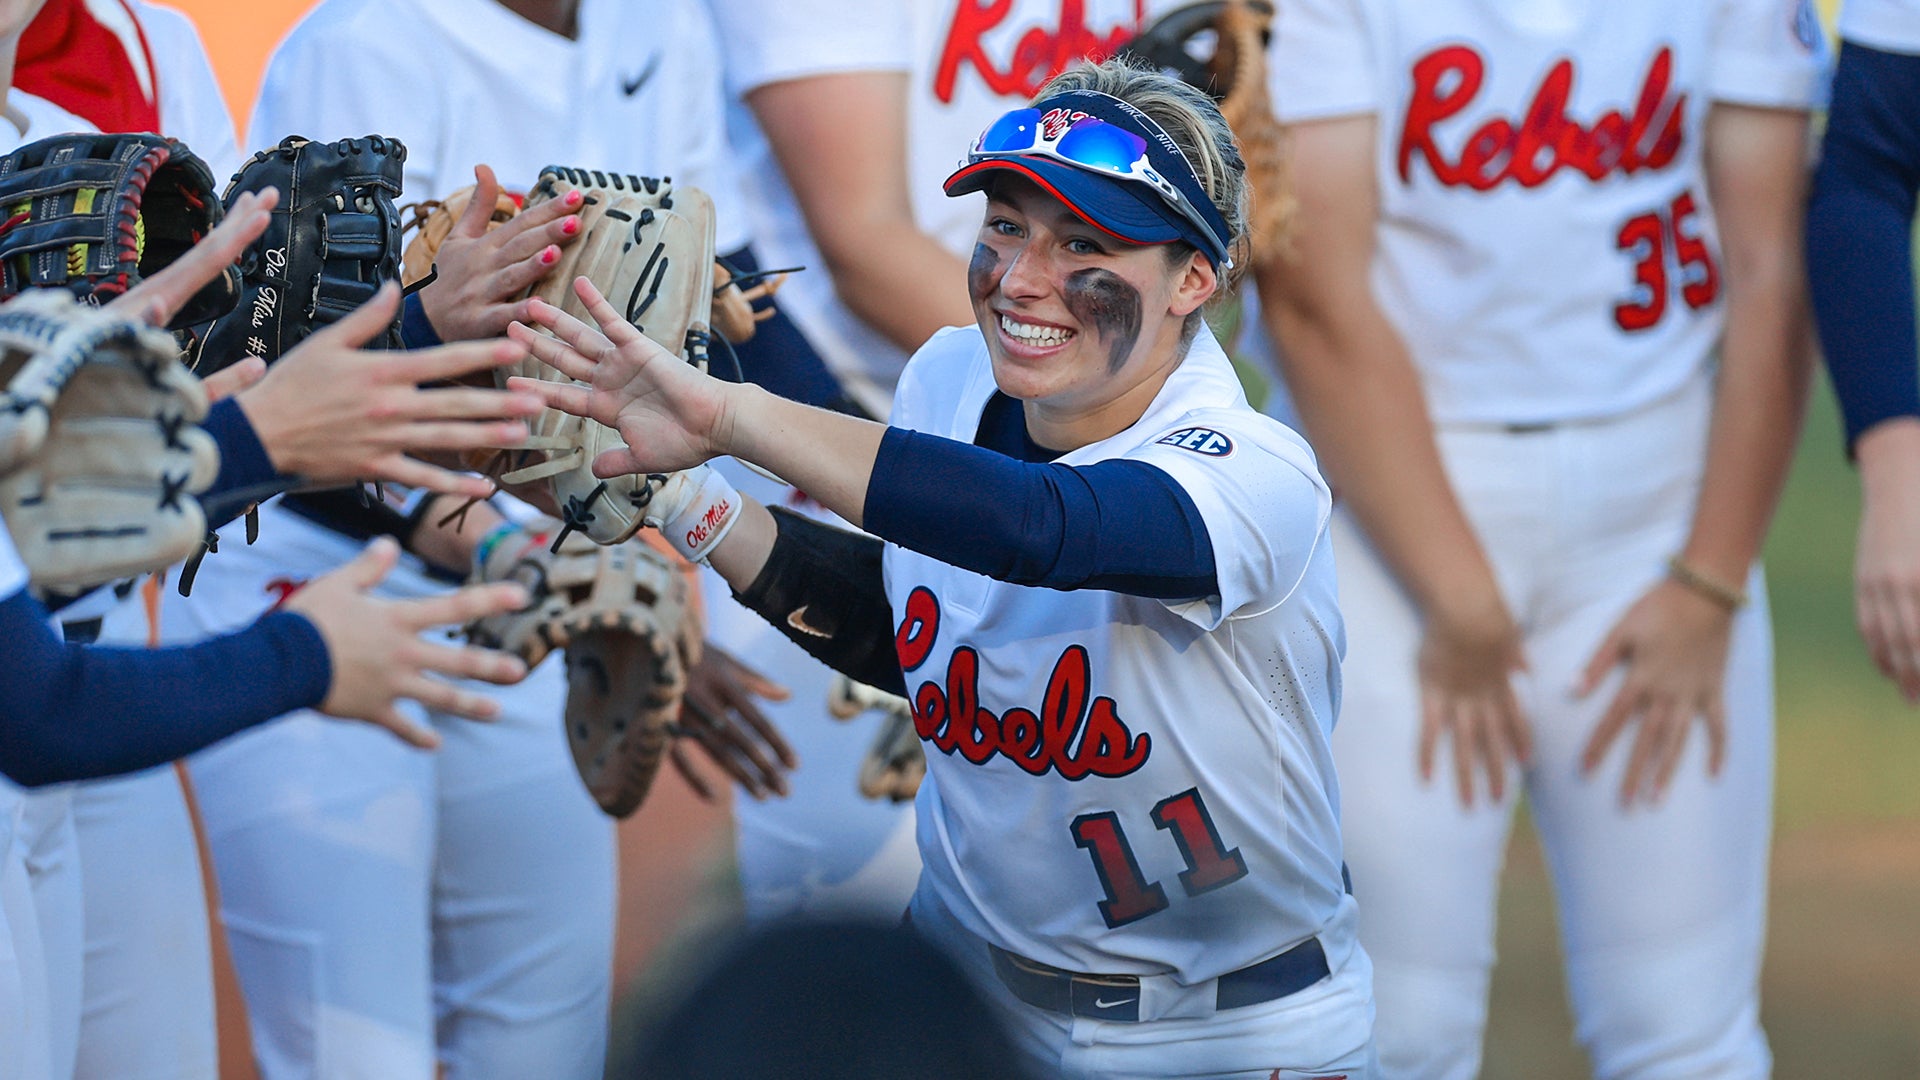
688	773
1611	652
444	362
554	353
448	698
612	322
463	606
229	381
468	662
566	397
1612	722
466	403
371	566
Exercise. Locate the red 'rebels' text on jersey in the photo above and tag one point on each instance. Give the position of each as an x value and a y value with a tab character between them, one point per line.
1038	55
1545	139
1070	734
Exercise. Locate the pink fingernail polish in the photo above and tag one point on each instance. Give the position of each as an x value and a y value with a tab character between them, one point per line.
550	256
574	198
570	226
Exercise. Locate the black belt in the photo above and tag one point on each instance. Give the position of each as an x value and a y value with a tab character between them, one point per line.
1117	997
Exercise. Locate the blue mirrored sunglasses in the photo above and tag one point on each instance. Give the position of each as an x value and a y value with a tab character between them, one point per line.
1092	144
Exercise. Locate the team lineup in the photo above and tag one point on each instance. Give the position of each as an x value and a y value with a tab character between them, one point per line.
1126	497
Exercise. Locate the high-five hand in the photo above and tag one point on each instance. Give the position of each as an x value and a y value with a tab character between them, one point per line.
671	415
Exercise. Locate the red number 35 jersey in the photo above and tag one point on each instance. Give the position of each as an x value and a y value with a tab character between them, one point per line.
1546	241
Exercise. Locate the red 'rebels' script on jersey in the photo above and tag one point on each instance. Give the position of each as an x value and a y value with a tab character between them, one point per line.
1545	139
1038	55
1073	734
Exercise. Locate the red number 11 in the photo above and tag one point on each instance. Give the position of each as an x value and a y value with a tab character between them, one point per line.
1130	896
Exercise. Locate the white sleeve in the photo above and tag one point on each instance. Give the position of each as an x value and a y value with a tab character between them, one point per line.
13	572
1887	25
192	108
325	89
1322	62
1264	505
1769	54
769	41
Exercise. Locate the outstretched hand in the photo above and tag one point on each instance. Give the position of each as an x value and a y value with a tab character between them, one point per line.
483	271
332	412
671	415
719	714
376	653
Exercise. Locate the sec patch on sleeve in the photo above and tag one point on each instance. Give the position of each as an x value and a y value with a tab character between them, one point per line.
1199	440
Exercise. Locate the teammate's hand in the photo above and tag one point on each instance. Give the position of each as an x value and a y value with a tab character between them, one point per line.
1886	567
1466	691
233	378
670	414
160	297
378	656
484	272
718	713
1673	644
332	412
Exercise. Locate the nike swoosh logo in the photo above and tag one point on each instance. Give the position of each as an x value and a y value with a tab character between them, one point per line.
798	620
632	86
1103	1003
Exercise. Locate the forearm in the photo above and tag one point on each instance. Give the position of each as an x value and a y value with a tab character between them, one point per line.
1757	178
71	712
828	455
1766	366
1362	404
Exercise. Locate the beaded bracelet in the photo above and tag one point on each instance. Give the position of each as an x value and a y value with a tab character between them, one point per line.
1713	589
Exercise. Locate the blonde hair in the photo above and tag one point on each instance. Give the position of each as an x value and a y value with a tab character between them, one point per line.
1193	121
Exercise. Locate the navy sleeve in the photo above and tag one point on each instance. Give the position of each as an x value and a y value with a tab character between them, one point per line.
1860	237
246	475
1122	526
416	330
76	712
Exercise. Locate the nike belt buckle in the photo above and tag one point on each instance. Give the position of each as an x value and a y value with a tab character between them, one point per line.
1114	998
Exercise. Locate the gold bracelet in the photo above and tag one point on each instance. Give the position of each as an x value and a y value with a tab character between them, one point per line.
1713	589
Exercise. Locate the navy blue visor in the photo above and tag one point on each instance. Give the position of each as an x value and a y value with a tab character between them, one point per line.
1109	162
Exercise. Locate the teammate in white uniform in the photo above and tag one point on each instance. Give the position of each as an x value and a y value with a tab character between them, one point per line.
1860	261
488	868
1543	316
1113	596
147	984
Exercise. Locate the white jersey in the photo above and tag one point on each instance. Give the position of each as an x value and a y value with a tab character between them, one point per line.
640	86
1506	160
192	108
13	571
1887	25
1119	784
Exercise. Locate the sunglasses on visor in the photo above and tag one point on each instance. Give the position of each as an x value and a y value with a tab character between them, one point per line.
1090	143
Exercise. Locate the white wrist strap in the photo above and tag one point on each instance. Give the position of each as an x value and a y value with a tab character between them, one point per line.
704	517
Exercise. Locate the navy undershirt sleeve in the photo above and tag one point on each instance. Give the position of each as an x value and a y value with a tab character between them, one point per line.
244	465
416	330
1123	526
77	712
1860	236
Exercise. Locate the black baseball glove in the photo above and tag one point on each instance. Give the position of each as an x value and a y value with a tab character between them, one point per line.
333	241
95	214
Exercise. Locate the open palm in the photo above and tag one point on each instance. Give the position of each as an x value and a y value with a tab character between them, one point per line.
669	413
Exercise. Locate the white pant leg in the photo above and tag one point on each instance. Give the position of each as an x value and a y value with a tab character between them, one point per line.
1425	870
24	1046
322	836
148	1010
53	871
523	896
1663	908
